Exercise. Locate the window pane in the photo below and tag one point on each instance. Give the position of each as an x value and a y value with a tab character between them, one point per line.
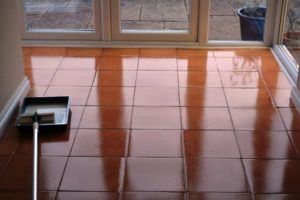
63	15
155	15
226	24
291	36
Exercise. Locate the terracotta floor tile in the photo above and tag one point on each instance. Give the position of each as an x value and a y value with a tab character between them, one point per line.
276	80
48	51
241	80
18	174
156	63
282	97
196	64
295	138
258	98
220	196
210	144
37	91
290	117
116	96
84	51
155	143
92	174
26	51
87	195
3	162
9	140
75	116
196	96
25	195
107	143
106	117
152	195
42	62
228	53
157	78
256	119
267	64
39	77
78	63
154	174
194	53
276	196
199	79
78	95
115	78
273	176
211	175
73	78
112	86
163	52
236	64
118	63
206	118
265	53
50	144
156	96
156	118
265	144
120	52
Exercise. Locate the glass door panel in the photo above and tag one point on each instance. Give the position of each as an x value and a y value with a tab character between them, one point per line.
291	36
228	22
55	18
155	20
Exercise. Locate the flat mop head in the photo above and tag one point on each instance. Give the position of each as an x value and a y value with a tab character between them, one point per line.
52	113
40	117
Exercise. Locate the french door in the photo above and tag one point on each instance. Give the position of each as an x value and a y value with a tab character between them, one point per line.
106	20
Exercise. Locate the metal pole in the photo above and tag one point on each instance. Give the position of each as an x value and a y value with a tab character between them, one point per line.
35	161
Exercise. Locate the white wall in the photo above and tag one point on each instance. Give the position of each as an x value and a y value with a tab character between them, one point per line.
12	78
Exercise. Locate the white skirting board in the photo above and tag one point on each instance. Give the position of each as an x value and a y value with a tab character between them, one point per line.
14	101
295	97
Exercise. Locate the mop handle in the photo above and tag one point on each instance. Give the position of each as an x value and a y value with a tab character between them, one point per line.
35	158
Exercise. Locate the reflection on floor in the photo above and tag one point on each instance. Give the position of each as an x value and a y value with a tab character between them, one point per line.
159	124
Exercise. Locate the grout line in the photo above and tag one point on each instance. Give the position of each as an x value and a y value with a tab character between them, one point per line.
67	161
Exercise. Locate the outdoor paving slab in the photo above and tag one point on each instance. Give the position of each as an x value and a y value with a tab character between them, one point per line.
224	28
142	25
164	10
130	10
31	19
177	26
221	7
61	21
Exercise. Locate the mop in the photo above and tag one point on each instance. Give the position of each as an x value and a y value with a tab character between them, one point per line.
36	118
42	112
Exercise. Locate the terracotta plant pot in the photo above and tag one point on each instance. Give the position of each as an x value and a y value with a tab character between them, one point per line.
291	39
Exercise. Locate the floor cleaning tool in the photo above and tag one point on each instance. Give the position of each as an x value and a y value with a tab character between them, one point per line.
42	114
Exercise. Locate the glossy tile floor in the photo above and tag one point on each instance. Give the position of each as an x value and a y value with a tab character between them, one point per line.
159	124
